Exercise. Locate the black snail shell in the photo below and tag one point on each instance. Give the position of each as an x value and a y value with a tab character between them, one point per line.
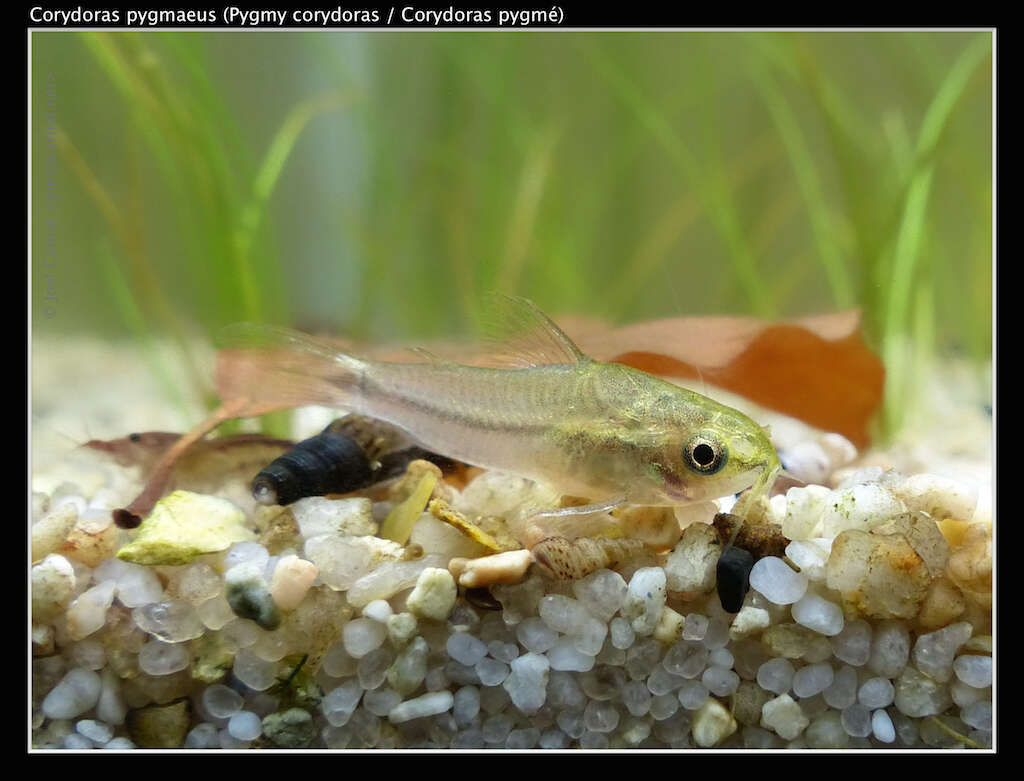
733	576
346	456
327	463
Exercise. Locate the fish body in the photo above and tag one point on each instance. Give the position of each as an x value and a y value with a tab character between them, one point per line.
587	428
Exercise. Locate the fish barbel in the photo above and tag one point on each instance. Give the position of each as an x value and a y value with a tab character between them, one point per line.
604	431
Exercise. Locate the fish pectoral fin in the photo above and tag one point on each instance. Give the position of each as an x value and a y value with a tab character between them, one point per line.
519	335
584	509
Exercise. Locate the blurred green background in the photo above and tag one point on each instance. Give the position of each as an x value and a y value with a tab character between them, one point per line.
376	184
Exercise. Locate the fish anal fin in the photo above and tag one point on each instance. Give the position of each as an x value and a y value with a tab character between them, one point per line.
519	335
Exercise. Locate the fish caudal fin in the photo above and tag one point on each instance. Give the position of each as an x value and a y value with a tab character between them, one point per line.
281	368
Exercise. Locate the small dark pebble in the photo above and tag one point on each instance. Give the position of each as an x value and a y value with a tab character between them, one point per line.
733	576
252	600
126	520
160	726
482	598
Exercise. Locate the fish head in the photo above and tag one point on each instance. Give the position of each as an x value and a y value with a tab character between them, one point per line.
725	454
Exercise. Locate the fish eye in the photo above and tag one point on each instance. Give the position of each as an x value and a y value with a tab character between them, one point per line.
705	454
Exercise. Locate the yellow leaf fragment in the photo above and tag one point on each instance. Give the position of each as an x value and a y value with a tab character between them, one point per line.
398	525
440	509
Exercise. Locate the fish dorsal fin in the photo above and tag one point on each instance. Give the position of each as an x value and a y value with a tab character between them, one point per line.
426	356
518	334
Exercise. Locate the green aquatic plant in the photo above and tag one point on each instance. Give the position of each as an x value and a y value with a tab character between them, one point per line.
624	176
220	197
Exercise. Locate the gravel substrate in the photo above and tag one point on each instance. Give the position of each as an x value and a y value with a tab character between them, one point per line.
298	627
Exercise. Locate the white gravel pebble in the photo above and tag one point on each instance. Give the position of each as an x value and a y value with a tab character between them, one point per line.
890	648
136	585
853	643
378	610
434	594
527	683
381	701
562	614
636	697
491	672
748	621
784	716
777	581
819	614
696	626
535	635
712	724
246	552
843	691
860	507
466	705
76	742
425	705
645	599
341	701
564	655
934	652
222	702
96	731
856	721
964	695
810	556
202	735
589	638
692	695
721	657
121	744
159	658
362	635
53	587
77	692
974	670
465	649
172	622
720	681
245	726
803	511
622	634
776	675
254	672
602	593
111	707
978	715
881	727
88	612
876	693
812	679
317	515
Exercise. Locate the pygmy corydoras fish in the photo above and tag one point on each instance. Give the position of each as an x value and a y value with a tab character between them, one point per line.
604	431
